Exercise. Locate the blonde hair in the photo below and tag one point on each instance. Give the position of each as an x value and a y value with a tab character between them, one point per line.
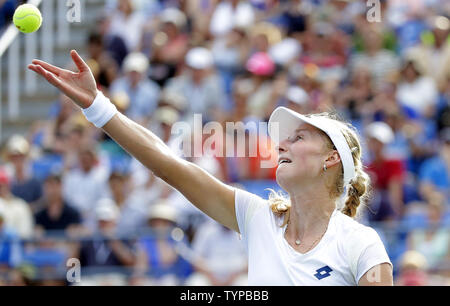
357	190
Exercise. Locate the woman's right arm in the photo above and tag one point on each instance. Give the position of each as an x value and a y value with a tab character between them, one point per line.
210	195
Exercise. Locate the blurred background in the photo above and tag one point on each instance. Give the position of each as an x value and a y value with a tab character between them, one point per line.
68	191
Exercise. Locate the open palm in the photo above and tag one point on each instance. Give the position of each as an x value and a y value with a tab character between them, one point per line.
79	86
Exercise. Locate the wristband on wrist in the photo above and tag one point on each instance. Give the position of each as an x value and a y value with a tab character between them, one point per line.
100	111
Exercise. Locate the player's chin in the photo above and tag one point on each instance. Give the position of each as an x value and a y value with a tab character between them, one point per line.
284	175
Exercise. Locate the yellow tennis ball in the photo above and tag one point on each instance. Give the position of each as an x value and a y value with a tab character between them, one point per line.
27	18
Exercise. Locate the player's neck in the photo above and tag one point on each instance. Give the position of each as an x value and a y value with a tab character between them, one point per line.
310	215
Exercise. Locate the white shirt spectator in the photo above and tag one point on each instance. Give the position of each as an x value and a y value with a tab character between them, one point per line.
143	98
18	216
128	28
83	189
418	95
225	17
220	249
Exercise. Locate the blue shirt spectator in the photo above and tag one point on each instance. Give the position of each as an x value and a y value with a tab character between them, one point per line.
142	92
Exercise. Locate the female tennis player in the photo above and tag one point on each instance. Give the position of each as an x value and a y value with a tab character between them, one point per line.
309	238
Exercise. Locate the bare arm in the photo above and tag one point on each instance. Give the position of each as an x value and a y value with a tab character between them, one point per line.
202	189
380	275
213	197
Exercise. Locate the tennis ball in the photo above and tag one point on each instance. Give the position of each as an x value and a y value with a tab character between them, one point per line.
27	18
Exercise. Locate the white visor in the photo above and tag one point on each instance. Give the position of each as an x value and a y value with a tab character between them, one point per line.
283	122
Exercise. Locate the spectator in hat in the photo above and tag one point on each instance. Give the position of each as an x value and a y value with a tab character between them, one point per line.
143	93
104	248
297	99
23	184
199	85
57	214
412	270
434	173
17	214
158	254
262	69
387	175
132	209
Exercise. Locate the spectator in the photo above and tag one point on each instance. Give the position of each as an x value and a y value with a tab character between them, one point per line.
199	85
22	181
7	8
297	99
17	214
113	44
432	238
434	175
107	68
433	53
158	251
231	13
220	257
132	210
57	214
10	249
379	61
104	251
169	45
230	53
143	93
325	47
356	99
262	69
127	23
83	185
386	175
412	270
416	92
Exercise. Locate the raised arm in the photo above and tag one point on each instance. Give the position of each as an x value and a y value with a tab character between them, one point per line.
211	196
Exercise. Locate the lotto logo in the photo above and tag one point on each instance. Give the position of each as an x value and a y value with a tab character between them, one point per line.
323	272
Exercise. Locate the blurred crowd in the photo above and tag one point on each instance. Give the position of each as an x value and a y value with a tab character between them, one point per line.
69	191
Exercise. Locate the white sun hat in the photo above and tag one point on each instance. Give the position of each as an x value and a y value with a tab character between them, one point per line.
380	131
297	95
199	58
136	61
283	122
107	210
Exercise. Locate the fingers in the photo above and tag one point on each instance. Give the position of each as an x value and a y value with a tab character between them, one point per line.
81	65
49	76
53	69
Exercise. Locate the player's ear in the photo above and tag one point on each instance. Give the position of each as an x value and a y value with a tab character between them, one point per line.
333	159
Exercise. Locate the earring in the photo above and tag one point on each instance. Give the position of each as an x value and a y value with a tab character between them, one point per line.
324	168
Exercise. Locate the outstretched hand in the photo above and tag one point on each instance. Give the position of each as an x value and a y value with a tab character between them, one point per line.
79	86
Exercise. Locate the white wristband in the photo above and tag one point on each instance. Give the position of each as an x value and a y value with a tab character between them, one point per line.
100	111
